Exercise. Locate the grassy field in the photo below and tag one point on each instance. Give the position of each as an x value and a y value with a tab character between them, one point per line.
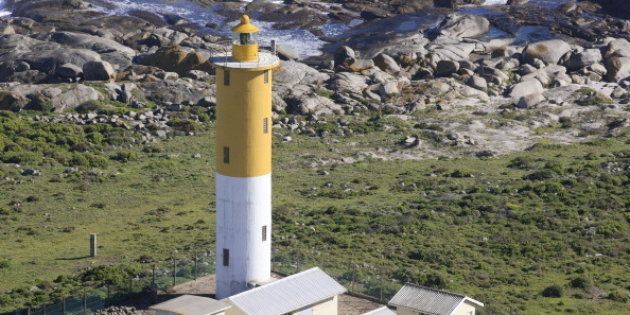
501	229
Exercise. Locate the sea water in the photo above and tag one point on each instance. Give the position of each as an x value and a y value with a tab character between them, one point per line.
4	11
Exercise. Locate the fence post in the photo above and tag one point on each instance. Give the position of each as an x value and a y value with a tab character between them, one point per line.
84	303
93	245
195	266
174	271
353	279
153	278
63	305
28	311
45	309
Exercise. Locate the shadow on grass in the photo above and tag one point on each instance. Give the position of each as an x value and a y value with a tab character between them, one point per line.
73	258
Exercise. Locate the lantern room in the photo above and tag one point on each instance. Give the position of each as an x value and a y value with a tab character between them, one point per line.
245	41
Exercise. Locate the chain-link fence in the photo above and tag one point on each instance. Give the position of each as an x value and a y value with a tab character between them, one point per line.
87	297
163	275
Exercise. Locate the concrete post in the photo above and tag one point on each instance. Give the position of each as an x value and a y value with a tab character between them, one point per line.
93	244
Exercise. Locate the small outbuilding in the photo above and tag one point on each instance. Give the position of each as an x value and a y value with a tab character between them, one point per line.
311	292
418	300
191	305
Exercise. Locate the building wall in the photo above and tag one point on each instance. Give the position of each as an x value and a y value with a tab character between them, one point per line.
327	307
464	309
401	310
234	310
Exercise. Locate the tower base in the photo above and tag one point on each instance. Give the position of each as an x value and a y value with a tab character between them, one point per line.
243	236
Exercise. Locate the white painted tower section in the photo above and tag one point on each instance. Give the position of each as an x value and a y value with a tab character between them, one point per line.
243	215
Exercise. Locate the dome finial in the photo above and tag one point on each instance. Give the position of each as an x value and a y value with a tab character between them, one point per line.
245	26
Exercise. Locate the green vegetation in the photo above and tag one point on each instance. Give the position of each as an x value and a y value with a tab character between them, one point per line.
23	140
541	231
589	97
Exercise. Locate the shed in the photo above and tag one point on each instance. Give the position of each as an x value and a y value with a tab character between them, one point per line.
310	292
413	300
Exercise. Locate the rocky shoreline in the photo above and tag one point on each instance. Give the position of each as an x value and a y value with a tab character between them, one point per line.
464	92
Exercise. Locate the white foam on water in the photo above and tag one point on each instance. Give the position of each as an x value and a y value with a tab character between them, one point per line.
302	41
495	2
3	9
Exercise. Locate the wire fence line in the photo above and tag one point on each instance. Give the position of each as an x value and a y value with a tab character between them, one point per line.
164	275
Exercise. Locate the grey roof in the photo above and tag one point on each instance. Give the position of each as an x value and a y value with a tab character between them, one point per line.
381	311
428	300
192	305
288	294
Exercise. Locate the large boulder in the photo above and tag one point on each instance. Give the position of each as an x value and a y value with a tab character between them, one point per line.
526	88
175	59
344	57
549	51
583	59
314	105
349	82
617	59
75	97
29	55
69	71
478	83
98	71
172	92
291	73
98	44
286	52
386	63
11	100
618	68
464	26
619	47
449	49
446	68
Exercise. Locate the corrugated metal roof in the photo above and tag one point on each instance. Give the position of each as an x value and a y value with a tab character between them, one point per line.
428	300
381	311
192	305
288	294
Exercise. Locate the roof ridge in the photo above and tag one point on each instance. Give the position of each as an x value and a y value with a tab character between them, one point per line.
436	290
273	283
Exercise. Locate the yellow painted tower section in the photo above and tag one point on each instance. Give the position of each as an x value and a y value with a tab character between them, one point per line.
244	85
244	123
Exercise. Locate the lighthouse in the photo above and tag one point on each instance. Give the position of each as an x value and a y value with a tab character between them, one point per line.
243	163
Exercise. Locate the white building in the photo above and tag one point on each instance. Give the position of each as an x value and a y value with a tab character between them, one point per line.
418	300
311	292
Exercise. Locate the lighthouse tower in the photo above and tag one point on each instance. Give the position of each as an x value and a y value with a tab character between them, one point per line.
243	150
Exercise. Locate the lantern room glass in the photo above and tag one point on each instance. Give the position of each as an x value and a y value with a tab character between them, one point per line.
245	39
